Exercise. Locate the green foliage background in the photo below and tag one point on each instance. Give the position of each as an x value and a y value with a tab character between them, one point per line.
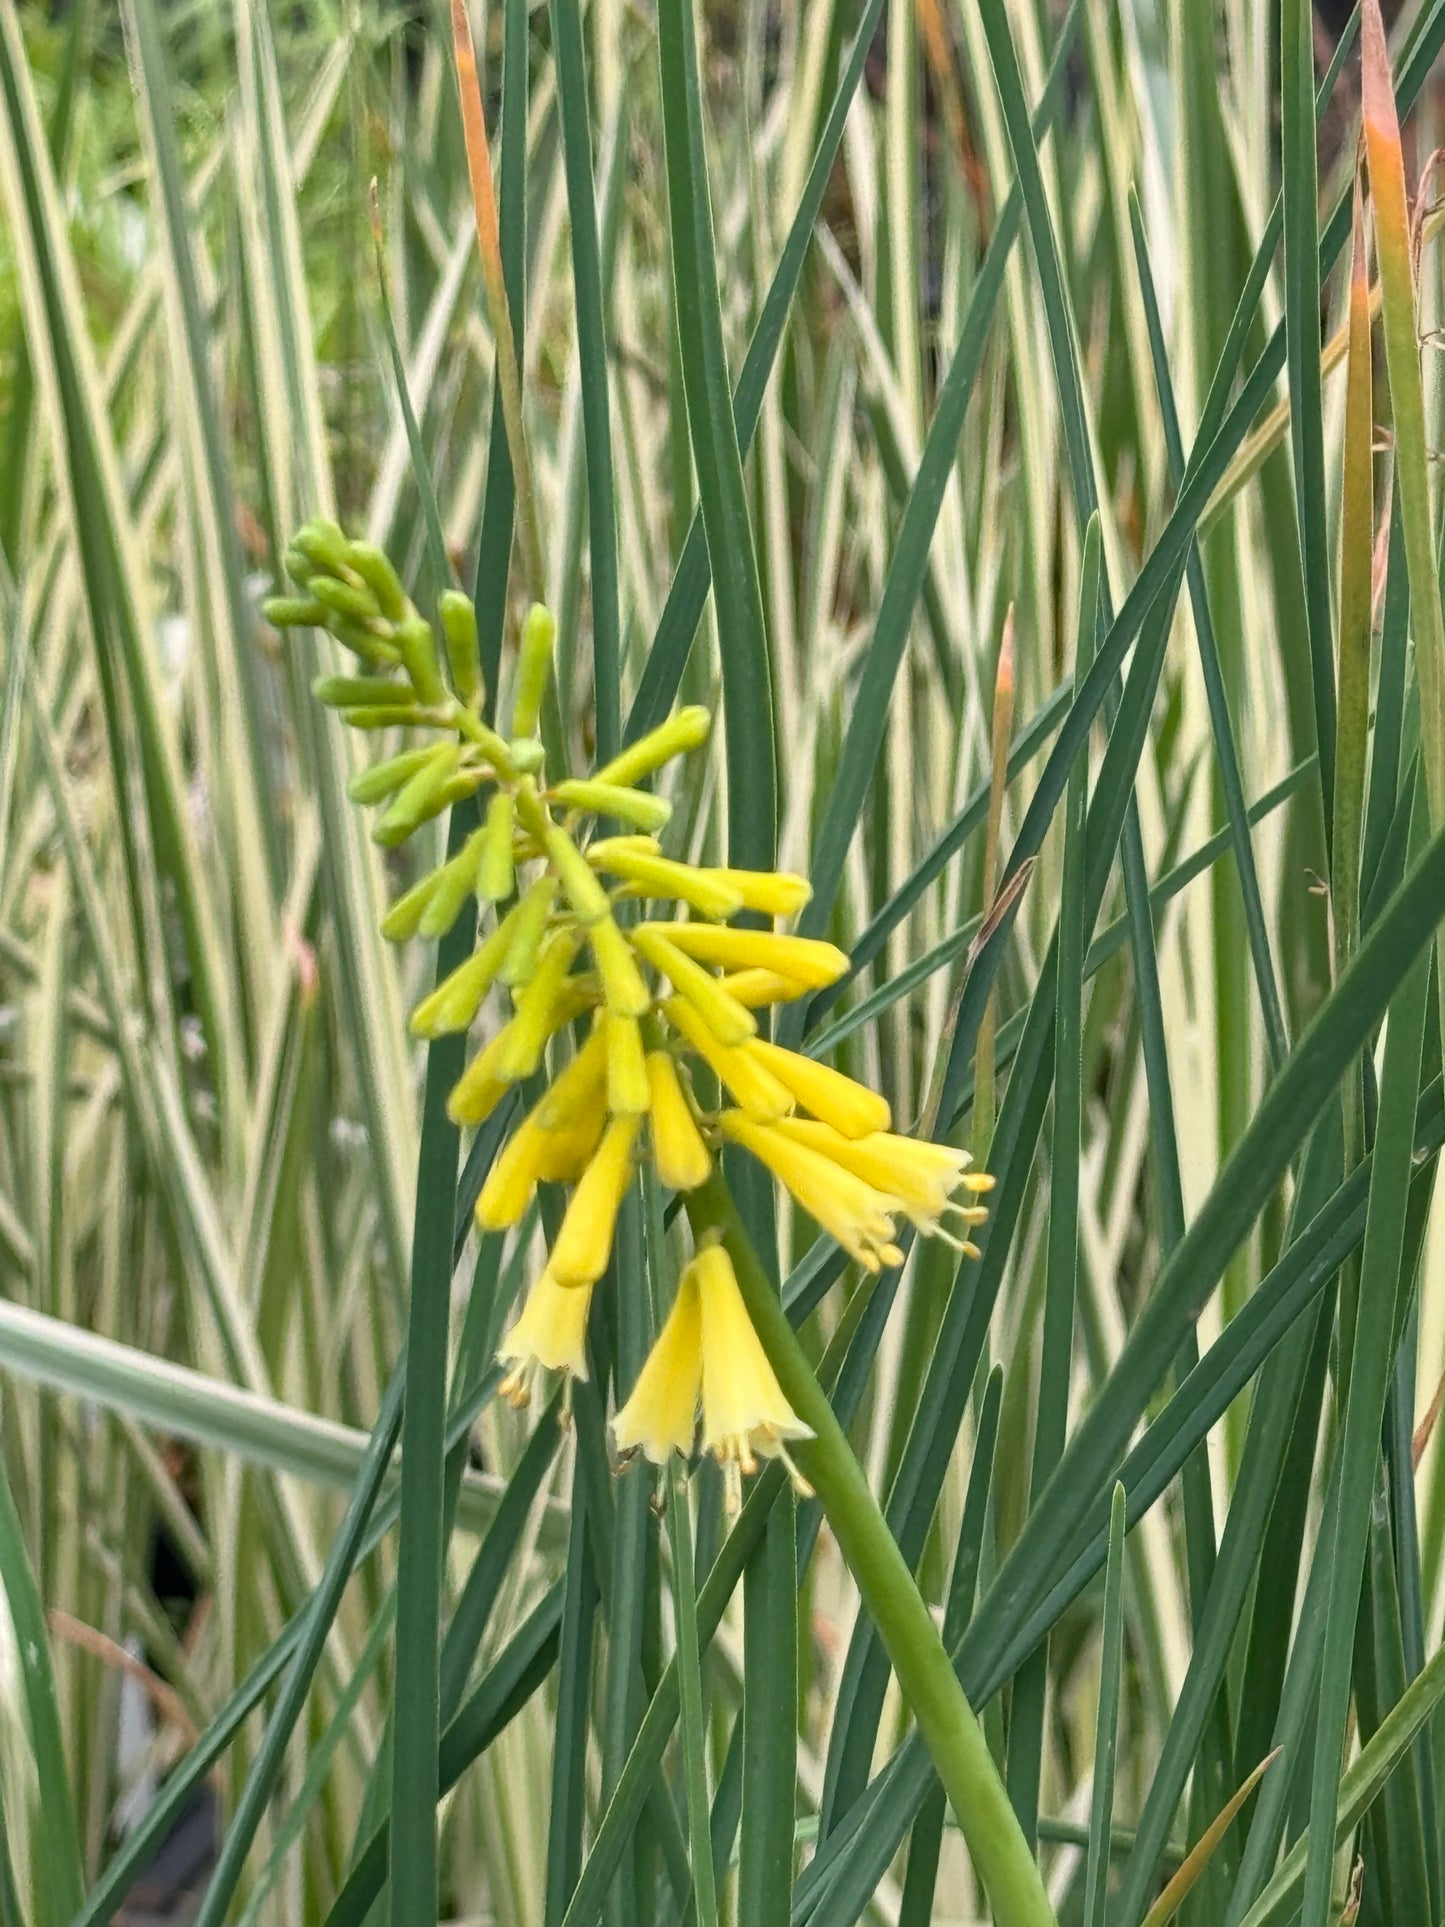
952	343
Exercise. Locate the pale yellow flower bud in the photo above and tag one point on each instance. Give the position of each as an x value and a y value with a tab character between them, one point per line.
730	1022
850	1108
584	1243
678	1151
684	731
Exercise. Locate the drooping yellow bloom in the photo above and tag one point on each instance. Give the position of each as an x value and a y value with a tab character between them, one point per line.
549	1336
707	1345
923	1177
858	1215
744	1413
661	1415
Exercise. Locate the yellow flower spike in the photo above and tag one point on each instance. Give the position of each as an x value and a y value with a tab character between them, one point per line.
682	1159
686	730
758	987
749	1080
850	1108
535	1020
807	960
528	923
549	1336
853	1212
627	1088
496	875
513	1177
456	1000
922	1176
661	1415
623	990
584	1243
730	1022
772	893
640	807
589	901
745	1415
647	874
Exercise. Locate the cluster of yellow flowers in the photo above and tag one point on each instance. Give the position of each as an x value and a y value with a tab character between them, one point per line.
670	1064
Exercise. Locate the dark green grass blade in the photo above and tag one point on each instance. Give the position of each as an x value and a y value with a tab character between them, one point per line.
1106	1740
683	609
1061	1268
592	354
1386	738
909	561
1382	1287
746	673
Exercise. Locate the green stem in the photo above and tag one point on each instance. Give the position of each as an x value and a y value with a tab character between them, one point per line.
950	1729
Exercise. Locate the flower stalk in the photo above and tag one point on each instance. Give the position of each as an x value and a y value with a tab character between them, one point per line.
950	1728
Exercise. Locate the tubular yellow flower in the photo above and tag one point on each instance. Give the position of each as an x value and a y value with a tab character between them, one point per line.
661	1415
528	923
535	1020
850	1108
757	987
623	990
647	873
678	1151
774	893
744	1413
806	960
513	1177
858	1215
580	1083
922	1176
627	1093
549	1336
749	1080
584	1243
730	1022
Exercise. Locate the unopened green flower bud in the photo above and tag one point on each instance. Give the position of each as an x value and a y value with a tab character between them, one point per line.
323	544
495	878
455	1001
380	577
454	883
527	924
293	612
351	692
586	895
639	807
464	654
374	785
401	920
362	641
419	798
534	665
686	730
346	598
298	565
376	716
419	652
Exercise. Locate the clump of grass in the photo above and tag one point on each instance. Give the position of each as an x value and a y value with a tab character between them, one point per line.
779	358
